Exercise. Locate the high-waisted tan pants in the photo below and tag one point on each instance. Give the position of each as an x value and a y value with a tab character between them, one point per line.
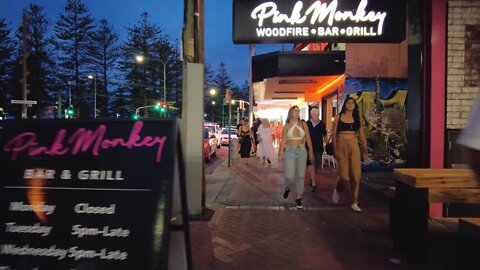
349	162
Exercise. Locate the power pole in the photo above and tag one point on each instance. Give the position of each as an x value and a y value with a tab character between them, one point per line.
25	53
251	48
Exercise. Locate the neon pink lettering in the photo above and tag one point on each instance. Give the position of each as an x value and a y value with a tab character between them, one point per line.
82	140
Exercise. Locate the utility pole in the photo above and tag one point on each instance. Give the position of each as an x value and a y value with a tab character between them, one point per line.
25	53
250	92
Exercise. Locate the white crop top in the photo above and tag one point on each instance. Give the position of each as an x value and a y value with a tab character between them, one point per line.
290	135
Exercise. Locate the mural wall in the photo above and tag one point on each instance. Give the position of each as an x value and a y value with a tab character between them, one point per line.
382	104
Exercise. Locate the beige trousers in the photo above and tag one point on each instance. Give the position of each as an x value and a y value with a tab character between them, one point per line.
349	162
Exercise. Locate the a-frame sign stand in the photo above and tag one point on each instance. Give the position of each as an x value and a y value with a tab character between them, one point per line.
93	195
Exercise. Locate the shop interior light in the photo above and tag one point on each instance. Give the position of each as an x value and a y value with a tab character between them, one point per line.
327	86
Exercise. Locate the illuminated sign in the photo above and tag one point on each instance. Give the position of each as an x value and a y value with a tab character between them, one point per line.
284	21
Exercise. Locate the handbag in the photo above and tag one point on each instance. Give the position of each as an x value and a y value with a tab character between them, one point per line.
329	147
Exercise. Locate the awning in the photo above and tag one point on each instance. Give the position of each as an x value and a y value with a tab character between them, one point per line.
286	78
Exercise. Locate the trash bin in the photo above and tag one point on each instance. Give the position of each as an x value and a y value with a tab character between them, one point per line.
233	149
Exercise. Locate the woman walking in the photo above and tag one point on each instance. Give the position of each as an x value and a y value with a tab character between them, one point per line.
292	150
246	141
347	129
278	134
265	138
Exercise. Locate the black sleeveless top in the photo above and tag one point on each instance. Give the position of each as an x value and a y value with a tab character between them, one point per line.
342	126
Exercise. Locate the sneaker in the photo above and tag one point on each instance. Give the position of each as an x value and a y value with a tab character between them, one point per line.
355	207
285	194
299	203
335	196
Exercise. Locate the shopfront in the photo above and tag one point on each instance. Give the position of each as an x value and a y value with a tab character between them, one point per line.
342	49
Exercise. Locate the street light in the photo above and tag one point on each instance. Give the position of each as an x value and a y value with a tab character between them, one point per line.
69	94
213	92
91	77
141	59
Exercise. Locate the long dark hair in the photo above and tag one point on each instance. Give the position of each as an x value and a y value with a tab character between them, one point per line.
355	113
290	112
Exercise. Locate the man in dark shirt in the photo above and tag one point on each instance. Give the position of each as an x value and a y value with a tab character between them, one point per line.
318	134
255	126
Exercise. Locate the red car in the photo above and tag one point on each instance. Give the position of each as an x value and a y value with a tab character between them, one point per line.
210	143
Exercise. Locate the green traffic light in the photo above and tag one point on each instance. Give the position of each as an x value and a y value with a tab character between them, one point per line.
135	116
70	111
163	110
157	107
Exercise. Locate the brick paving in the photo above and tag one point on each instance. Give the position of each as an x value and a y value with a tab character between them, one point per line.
253	227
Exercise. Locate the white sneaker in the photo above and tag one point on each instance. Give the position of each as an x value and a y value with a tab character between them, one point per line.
335	196
355	207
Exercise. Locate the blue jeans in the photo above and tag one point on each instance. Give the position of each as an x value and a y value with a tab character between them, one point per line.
295	158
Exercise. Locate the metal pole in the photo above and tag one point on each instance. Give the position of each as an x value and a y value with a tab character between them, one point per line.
238	116
95	98
69	95
164	81
25	54
223	112
59	105
229	124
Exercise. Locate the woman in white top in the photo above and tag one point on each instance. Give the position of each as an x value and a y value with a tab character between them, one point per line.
292	150
265	138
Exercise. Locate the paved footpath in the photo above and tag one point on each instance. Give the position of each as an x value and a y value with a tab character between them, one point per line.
253	227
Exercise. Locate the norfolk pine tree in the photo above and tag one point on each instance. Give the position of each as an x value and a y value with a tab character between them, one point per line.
72	32
103	54
6	64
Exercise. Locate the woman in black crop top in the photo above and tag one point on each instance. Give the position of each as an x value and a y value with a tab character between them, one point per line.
347	129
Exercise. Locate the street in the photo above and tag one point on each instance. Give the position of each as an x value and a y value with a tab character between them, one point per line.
222	154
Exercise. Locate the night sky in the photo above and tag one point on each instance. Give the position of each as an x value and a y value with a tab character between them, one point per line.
166	13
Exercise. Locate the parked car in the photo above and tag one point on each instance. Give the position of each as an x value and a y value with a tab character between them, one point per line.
224	136
215	129
210	143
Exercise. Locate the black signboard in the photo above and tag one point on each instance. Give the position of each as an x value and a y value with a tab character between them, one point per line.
89	194
349	21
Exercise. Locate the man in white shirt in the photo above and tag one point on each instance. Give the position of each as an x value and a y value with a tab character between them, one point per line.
470	136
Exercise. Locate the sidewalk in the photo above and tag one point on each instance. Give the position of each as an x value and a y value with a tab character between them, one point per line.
255	228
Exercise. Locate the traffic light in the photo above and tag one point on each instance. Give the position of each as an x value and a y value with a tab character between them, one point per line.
161	107
228	96
70	112
135	117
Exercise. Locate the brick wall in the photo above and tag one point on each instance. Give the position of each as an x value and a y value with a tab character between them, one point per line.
376	60
463	60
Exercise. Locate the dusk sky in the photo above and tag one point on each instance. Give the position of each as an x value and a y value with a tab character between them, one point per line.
166	13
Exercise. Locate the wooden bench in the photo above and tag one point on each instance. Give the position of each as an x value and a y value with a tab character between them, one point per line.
446	195
470	226
469	242
414	190
454	195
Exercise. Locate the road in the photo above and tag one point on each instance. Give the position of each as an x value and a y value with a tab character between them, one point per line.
222	154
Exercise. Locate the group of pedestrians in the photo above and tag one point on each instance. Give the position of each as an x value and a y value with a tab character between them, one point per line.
258	139
301	146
